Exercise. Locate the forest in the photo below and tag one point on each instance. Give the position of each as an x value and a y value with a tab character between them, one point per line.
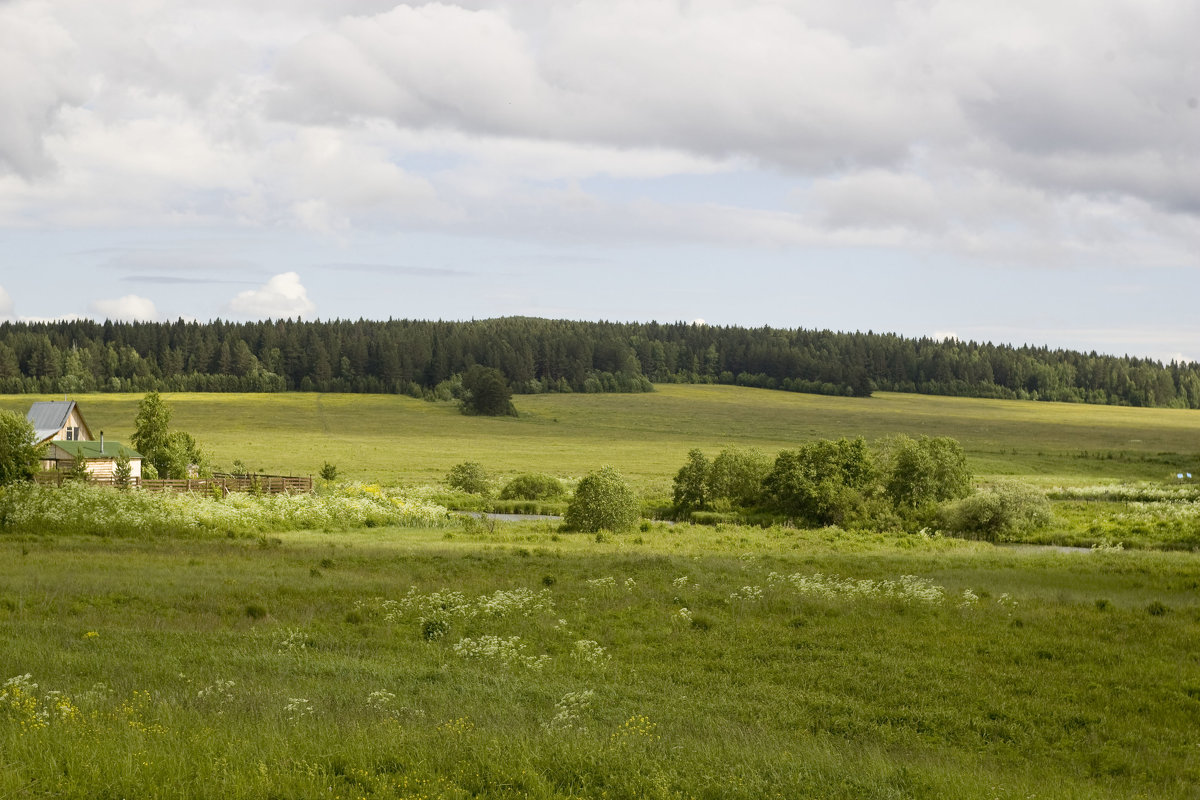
426	358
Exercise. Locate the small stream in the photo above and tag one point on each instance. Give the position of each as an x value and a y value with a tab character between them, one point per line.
510	517
1056	548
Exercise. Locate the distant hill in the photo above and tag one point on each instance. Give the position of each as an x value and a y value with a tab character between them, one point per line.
424	358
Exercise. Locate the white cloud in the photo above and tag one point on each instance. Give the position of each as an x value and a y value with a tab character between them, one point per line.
280	297
34	85
6	305
129	308
1023	132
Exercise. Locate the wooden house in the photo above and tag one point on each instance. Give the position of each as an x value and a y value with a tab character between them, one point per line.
59	425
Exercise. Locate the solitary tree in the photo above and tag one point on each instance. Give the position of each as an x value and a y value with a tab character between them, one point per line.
170	453
602	501
150	436
19	455
122	471
469	476
485	392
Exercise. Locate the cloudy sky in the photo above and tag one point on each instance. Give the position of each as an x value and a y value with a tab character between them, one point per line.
1025	171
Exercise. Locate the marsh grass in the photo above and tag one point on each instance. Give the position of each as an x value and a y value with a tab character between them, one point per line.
819	669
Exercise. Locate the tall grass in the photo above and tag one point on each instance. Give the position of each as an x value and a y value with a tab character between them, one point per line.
90	509
807	664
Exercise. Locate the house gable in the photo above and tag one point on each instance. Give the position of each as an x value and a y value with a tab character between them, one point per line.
58	420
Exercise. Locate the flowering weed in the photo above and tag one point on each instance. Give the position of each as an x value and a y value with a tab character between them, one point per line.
587	651
906	588
569	711
298	708
509	652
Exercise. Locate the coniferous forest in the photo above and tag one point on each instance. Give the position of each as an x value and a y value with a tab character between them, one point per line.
427	358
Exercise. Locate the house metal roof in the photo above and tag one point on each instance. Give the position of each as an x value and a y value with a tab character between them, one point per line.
91	450
48	417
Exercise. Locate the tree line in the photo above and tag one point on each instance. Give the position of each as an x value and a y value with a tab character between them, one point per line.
428	359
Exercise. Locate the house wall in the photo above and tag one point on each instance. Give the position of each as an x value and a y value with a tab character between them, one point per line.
101	469
73	421
105	468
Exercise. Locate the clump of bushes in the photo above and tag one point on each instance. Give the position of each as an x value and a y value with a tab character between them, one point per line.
533	487
733	479
899	482
469	477
602	501
997	512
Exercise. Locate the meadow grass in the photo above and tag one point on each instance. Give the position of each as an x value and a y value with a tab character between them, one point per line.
398	440
674	662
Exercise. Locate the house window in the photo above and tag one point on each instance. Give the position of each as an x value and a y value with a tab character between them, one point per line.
70	434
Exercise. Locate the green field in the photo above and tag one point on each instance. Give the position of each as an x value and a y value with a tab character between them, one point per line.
394	439
299	666
249	658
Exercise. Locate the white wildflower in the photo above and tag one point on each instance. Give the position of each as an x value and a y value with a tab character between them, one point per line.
569	710
589	652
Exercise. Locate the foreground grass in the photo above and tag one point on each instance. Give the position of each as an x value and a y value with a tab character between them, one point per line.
294	666
390	439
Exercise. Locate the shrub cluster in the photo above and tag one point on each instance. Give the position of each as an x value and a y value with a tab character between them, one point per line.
997	512
899	481
533	487
734	478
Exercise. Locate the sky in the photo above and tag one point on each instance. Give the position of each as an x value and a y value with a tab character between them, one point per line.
1018	172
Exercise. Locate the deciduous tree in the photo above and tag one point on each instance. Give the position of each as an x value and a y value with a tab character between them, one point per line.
602	501
19	455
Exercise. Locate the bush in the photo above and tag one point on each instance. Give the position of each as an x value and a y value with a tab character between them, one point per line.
329	472
1004	510
927	470
533	487
602	501
690	484
469	477
737	475
823	482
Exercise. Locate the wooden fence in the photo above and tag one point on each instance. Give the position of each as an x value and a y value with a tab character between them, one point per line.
266	484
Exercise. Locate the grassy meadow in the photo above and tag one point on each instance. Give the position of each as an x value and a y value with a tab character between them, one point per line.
519	662
259	648
398	440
